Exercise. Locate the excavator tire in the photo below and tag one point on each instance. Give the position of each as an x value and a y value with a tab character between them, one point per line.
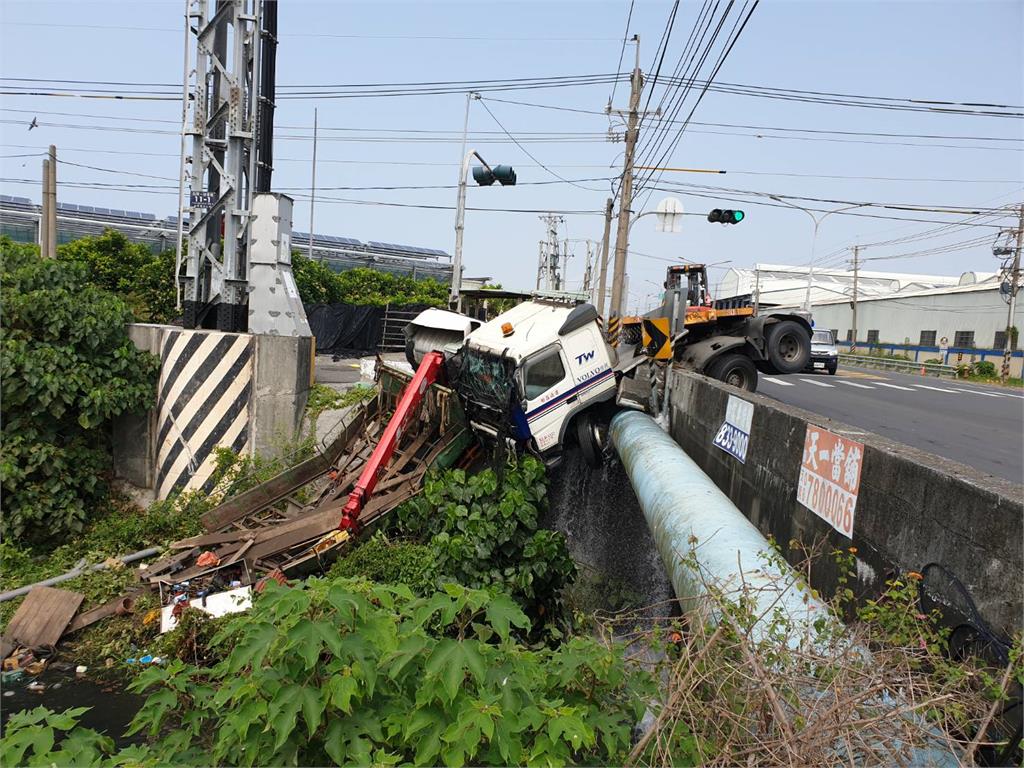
736	370
589	440
789	346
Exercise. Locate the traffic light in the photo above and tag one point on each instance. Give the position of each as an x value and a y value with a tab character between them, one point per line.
726	216
503	174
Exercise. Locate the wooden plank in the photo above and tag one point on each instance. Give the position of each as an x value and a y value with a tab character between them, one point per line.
166	563
312	526
269	493
44	615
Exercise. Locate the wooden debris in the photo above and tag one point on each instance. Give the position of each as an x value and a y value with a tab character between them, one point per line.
44	615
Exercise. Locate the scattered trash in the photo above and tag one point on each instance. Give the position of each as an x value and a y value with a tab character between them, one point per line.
157	660
8	693
36	667
81	669
36	687
11	675
147	659
151	617
207	560
109	663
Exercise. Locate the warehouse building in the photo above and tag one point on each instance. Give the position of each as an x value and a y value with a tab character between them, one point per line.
954	319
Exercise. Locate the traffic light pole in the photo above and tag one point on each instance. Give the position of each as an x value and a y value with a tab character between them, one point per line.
460	209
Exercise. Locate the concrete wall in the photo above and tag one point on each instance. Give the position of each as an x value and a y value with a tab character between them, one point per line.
284	373
133	434
246	392
913	508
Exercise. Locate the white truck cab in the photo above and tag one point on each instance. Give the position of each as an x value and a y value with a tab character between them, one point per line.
535	374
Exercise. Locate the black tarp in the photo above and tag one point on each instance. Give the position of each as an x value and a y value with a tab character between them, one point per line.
343	329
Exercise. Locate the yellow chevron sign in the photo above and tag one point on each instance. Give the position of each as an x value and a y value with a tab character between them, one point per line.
655	338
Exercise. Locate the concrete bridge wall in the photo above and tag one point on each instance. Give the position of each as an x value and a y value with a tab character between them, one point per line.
242	391
913	507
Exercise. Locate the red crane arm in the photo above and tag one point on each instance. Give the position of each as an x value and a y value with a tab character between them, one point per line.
428	372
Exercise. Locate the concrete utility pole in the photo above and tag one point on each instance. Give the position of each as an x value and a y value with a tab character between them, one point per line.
626	189
51	193
602	284
540	263
1014	283
856	276
757	289
44	214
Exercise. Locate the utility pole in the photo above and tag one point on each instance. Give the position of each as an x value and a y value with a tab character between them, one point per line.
757	289
565	262
550	257
626	188
540	263
1014	283
856	277
602	287
312	189
51	192
588	268
44	214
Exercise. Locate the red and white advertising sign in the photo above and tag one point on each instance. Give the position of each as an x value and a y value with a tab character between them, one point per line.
830	477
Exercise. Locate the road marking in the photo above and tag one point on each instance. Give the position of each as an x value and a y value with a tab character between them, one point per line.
977	392
893	386
856	374
818	383
780	382
855	384
934	389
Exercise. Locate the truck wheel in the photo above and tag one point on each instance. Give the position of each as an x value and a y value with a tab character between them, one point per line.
736	370
789	346
589	439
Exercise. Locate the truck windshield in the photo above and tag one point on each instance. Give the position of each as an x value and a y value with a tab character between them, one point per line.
482	378
822	337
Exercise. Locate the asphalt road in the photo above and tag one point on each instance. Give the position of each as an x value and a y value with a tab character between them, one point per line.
977	425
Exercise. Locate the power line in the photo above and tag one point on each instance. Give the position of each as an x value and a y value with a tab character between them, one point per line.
622	51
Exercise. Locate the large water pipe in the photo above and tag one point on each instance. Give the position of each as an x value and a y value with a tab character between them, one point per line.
706	544
704	541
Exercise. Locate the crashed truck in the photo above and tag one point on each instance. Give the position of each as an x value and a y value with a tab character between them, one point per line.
543	376
540	378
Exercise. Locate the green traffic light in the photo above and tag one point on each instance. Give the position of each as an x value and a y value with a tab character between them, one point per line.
737	216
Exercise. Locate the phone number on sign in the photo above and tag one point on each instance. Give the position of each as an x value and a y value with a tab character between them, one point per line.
828	501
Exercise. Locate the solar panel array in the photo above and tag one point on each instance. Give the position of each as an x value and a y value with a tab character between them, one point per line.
347	251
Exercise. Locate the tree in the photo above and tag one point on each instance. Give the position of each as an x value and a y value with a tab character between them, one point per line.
143	279
318	284
67	367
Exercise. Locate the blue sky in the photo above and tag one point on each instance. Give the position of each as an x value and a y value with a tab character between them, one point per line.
962	51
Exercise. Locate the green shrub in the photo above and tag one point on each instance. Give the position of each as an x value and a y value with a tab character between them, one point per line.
387	562
984	369
342	672
67	367
484	534
143	279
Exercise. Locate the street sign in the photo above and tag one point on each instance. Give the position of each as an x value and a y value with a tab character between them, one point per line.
655	338
200	199
830	477
733	436
669	214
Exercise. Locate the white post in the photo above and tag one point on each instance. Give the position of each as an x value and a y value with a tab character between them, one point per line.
460	210
181	166
312	188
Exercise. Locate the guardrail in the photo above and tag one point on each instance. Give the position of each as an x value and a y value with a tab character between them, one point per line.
895	364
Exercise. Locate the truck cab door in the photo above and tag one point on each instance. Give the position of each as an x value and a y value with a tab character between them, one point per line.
547	390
